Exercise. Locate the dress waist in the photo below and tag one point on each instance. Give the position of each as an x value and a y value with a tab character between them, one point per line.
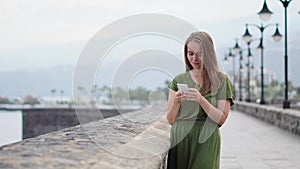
199	121
193	119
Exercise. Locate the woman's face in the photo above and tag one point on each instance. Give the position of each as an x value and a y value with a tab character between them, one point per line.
194	52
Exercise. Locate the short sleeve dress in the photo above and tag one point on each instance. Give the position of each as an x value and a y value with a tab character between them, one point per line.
195	139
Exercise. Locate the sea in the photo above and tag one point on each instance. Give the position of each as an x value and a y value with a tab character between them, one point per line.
10	127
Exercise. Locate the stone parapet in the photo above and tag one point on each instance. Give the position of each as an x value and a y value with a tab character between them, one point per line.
287	119
37	121
124	141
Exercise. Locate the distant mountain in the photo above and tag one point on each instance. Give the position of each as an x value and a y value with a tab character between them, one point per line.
37	82
40	81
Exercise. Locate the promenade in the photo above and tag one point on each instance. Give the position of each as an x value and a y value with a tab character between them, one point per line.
123	142
248	143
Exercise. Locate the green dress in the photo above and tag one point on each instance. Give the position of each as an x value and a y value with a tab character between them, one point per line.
195	139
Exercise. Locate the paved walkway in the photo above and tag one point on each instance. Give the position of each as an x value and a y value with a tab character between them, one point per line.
248	143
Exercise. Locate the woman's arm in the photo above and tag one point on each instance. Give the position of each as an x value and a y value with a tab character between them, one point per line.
173	105
218	114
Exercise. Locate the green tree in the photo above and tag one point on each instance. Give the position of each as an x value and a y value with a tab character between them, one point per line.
81	90
140	94
106	91
31	100
118	94
273	90
4	100
94	90
297	95
298	90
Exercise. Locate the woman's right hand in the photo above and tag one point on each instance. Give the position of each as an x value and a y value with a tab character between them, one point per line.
178	96
174	101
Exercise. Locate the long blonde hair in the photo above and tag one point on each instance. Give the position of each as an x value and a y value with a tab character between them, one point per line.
209	70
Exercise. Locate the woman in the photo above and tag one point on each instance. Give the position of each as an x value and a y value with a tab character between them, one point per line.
197	113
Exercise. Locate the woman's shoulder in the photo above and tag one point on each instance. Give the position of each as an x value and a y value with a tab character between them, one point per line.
223	76
181	76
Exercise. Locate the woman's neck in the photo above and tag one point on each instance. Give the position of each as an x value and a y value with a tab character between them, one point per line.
195	72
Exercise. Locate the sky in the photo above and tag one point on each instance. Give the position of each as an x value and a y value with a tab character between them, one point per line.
44	34
35	23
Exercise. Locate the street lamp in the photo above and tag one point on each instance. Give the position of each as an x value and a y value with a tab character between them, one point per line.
238	50
249	56
247	37
248	99
231	56
225	59
286	102
240	75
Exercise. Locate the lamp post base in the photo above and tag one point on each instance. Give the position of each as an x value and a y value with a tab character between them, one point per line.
248	100
286	104
262	102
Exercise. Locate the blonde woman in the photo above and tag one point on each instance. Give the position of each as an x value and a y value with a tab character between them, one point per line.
197	112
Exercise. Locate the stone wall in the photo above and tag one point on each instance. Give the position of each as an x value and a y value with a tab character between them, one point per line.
121	142
37	121
287	119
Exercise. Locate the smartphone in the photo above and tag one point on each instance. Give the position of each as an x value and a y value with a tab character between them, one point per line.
182	87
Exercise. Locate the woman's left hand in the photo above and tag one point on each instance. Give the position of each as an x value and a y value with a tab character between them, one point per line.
192	94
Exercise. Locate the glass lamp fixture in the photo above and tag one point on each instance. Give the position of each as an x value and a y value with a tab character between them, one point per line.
230	55
241	58
247	36
241	67
265	13
225	59
236	47
277	36
260	46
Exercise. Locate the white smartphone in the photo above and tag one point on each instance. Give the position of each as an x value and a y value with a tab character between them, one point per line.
182	87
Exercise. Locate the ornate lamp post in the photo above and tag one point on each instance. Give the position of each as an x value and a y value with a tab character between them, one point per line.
285	3
247	37
231	56
237	49
241	75
249	67
248	99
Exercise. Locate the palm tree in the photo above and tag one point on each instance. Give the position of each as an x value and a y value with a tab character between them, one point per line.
53	91
81	89
61	95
